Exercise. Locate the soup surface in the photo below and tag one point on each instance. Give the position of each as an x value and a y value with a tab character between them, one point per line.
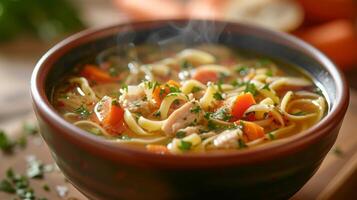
176	100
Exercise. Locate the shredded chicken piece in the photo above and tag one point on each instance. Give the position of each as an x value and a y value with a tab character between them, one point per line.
227	139
134	100
191	130
182	117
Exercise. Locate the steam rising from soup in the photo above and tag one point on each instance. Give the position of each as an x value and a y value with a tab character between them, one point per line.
177	100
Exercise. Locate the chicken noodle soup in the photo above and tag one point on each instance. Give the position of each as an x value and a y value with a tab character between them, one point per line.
199	99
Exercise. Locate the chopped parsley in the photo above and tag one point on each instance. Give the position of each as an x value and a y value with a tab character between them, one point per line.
174	89
82	111
35	168
185	146
269	73
124	87
157	114
221	77
242	70
162	92
264	61
196	89
115	102
235	83
208	115
218	96
46	188
266	87
211	125
30	129
241	144
250	87
6	144
113	71
222	114
271	136
19	185
196	109
186	64
151	84
180	134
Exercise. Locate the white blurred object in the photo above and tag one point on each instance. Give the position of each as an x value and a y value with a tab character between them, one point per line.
283	15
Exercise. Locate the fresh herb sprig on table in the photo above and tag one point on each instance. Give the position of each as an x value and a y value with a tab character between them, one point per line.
19	185
7	145
41	18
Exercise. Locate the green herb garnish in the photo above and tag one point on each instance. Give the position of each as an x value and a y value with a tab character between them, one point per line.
269	73
6	186
124	87
83	112
196	89
186	65
6	144
222	114
35	169
242	70
241	144
174	89
266	87
113	71
264	61
180	134
271	136
19	185
196	109
30	129
46	188
115	102
218	96
250	87
185	146
157	114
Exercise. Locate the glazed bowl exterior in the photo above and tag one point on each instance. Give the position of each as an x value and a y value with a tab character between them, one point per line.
101	169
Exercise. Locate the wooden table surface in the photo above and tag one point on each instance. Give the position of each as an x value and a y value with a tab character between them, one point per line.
336	178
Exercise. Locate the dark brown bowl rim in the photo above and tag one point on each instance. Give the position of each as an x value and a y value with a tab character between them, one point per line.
115	152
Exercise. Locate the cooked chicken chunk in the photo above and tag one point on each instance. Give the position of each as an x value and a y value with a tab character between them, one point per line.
227	139
187	114
134	100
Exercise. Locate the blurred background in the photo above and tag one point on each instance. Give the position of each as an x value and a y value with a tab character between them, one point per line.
28	28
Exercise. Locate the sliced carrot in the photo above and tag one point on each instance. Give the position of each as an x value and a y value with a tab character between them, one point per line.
111	115
241	104
251	130
93	73
173	83
161	91
156	148
204	76
337	39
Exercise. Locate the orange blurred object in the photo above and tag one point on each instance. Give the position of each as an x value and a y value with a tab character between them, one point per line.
206	9
337	39
326	10
152	9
